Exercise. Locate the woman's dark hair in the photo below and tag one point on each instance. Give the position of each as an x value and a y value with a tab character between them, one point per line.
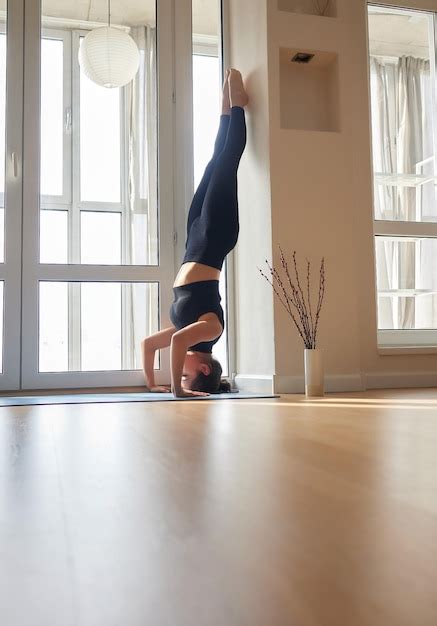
211	383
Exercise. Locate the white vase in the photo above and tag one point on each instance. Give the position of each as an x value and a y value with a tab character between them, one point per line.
314	378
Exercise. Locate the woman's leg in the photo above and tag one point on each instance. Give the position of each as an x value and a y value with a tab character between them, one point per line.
199	196
220	206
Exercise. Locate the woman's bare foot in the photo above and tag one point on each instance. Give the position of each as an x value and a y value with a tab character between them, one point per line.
237	92
226	103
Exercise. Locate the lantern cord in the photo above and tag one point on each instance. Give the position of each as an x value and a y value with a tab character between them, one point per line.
109	12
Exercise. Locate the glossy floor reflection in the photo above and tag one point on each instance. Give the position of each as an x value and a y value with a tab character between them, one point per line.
271	512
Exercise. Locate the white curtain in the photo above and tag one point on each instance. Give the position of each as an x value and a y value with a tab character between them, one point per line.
142	222
399	122
142	133
383	80
409	152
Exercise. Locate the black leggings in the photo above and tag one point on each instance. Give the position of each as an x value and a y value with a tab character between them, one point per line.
212	226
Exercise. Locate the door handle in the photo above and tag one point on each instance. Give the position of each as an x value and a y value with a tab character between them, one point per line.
14	160
68	120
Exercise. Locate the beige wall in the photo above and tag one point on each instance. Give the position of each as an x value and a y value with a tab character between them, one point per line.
321	195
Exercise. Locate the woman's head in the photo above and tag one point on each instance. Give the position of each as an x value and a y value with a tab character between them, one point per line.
202	372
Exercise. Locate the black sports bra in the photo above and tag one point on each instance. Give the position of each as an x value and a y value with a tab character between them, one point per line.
191	302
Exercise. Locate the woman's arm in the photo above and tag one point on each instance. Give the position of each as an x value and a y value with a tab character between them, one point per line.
206	328
149	346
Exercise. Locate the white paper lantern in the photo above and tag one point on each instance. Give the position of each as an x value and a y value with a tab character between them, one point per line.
109	57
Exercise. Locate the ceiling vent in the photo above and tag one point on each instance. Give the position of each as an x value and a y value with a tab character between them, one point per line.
302	57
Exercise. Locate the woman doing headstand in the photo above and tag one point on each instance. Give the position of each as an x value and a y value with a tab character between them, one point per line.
212	232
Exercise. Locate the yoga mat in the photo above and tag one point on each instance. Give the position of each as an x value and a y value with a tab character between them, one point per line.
91	398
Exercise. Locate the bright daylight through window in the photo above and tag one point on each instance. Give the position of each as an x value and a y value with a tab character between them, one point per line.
404	137
99	192
98	253
99	175
206	112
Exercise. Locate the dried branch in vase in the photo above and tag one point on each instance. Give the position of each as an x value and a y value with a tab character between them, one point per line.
321	6
297	301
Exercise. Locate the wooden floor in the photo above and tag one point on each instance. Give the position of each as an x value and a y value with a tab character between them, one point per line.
237	513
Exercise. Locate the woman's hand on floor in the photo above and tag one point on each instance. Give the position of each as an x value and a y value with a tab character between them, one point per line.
187	393
160	389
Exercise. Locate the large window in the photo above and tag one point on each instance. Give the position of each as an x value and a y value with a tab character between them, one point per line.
88	229
98	157
98	188
404	137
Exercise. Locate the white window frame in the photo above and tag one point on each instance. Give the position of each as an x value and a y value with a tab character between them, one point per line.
3	32
10	270
34	272
71	200
22	271
408	339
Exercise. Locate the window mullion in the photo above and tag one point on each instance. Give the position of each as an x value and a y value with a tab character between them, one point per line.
74	289
399	228
126	289
103	207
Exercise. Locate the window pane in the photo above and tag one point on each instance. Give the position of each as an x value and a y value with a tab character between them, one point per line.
206	83
52	116
207	86
109	135
100	237
2	140
101	326
54	236
100	145
53	327
407	283
403	114
221	347
105	322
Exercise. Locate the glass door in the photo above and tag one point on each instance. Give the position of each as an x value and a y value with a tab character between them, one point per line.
90	234
98	261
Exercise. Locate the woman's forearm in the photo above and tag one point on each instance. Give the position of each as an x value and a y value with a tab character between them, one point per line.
178	351
149	346
148	357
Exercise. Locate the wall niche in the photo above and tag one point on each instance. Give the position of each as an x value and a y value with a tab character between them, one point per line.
309	90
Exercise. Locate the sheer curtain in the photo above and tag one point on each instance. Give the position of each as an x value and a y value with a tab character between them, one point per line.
399	132
383	80
142	189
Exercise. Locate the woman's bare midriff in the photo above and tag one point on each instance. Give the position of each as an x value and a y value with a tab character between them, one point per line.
193	272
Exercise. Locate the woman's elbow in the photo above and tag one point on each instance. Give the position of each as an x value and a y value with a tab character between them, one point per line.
147	344
178	341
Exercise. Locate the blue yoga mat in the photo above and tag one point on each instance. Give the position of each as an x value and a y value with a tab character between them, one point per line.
90	398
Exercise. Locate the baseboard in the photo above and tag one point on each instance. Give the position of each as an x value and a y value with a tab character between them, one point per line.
333	384
397	380
341	383
295	384
255	383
